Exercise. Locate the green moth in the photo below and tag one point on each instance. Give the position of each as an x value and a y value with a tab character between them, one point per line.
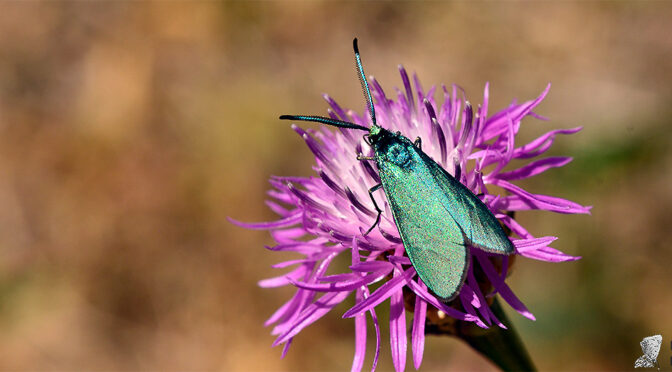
438	218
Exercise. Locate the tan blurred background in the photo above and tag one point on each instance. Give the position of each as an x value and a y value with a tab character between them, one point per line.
130	131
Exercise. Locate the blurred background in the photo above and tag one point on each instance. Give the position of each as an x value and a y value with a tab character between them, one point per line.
130	131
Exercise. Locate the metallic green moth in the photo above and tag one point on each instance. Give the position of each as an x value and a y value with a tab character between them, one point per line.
438	218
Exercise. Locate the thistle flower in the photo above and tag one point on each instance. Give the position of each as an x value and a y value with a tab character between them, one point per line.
327	215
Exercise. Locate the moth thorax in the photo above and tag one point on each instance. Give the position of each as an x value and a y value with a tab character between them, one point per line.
398	154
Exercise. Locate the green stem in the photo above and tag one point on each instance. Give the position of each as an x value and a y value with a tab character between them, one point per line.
502	346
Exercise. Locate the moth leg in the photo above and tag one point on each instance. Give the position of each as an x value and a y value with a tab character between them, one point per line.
375	205
418	143
362	157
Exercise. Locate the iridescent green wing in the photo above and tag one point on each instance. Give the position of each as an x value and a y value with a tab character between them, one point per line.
432	238
480	226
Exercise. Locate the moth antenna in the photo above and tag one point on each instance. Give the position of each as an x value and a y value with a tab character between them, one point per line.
323	120
364	82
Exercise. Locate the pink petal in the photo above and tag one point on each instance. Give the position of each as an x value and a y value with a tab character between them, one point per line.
278	209
349	285
381	294
282	310
308	199
410	102
399	260
312	313
338	278
484	309
523	200
501	287
541	202
281	196
496	124
513	225
286	348
541	144
466	298
534	168
483	111
549	254
302	298
376	326
285	222
418	331
303	248
360	338
398	339
371	266
291	311
440	305
337	109
523	245
285	279
282	265
288	236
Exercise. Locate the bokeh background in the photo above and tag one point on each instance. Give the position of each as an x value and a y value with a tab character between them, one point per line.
130	131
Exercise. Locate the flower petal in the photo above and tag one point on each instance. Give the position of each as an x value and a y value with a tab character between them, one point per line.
278	209
497	123
541	144
381	294
285	279
466	297
453	313
278	314
523	200
513	225
523	245
302	298
282	265
418	331
399	260
398	339
349	285
549	254
335	106
286	348
376	326
312	313
501	286
284	222
484	309
360	339
289	236
372	266
534	168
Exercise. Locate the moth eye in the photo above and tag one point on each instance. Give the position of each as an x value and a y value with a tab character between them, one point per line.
398	154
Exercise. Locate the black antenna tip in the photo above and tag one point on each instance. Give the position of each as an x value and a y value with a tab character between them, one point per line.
286	117
354	45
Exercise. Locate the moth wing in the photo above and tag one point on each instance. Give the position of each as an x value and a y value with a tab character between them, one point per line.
432	238
480	226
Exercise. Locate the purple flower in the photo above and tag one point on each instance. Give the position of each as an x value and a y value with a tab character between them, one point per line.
327	215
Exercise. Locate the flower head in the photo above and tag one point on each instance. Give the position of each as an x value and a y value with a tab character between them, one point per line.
328	215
